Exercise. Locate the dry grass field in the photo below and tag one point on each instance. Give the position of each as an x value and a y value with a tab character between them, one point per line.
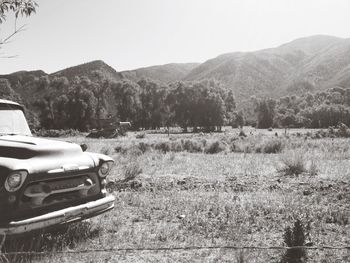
212	190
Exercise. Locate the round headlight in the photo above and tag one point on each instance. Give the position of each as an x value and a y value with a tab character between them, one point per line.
15	180
105	169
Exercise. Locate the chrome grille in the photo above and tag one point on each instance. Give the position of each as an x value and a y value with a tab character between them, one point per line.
49	192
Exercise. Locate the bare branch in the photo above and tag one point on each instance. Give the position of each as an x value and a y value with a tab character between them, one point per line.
22	28
14	56
7	40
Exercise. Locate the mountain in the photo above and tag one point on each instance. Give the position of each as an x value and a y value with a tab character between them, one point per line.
313	62
308	45
303	65
23	76
329	66
163	73
88	69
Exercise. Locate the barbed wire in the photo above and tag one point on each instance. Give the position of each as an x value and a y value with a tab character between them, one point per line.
137	249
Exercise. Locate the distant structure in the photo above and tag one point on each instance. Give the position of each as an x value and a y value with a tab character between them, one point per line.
109	127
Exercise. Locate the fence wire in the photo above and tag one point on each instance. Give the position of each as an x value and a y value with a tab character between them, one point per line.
156	249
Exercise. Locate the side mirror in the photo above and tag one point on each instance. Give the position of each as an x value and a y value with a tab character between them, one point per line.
83	146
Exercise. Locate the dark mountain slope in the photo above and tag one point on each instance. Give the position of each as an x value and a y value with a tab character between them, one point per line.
23	76
87	69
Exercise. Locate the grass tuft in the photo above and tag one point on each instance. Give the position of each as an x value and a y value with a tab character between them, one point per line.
272	146
140	135
163	147
215	147
293	163
132	170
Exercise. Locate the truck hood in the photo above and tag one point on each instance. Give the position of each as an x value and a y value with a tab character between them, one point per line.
38	155
25	147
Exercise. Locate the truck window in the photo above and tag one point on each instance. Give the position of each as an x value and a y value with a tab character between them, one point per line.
13	121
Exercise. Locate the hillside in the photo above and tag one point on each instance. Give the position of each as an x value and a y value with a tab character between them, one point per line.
87	69
320	61
303	65
328	66
163	73
23	76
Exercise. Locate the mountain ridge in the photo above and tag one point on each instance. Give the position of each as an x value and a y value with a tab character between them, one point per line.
165	73
301	65
271	72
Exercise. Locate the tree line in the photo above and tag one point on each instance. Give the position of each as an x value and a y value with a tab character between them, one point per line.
59	103
312	110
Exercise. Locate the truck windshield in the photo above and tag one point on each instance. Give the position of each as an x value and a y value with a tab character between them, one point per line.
13	122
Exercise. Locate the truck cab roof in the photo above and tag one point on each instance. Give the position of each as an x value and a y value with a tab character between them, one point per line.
11	103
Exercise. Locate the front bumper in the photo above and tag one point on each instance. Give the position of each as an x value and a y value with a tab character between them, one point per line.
63	216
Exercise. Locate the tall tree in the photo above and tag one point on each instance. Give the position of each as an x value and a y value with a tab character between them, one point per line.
6	91
100	86
265	109
81	105
127	99
181	102
152	99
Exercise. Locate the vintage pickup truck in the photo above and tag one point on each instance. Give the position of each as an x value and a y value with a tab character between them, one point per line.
45	183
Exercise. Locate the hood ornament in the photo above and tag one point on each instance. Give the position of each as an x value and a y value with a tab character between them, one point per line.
69	168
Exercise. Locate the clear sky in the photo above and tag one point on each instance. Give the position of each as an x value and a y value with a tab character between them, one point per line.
128	34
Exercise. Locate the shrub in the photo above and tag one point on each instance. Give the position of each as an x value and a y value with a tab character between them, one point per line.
233	147
215	147
293	163
118	149
144	147
106	150
176	146
57	133
134	150
331	130
242	146
338	216
242	134
132	170
192	146
141	135
162	146
272	146
294	237
343	130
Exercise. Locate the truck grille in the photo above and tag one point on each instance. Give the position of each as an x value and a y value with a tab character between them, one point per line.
49	192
